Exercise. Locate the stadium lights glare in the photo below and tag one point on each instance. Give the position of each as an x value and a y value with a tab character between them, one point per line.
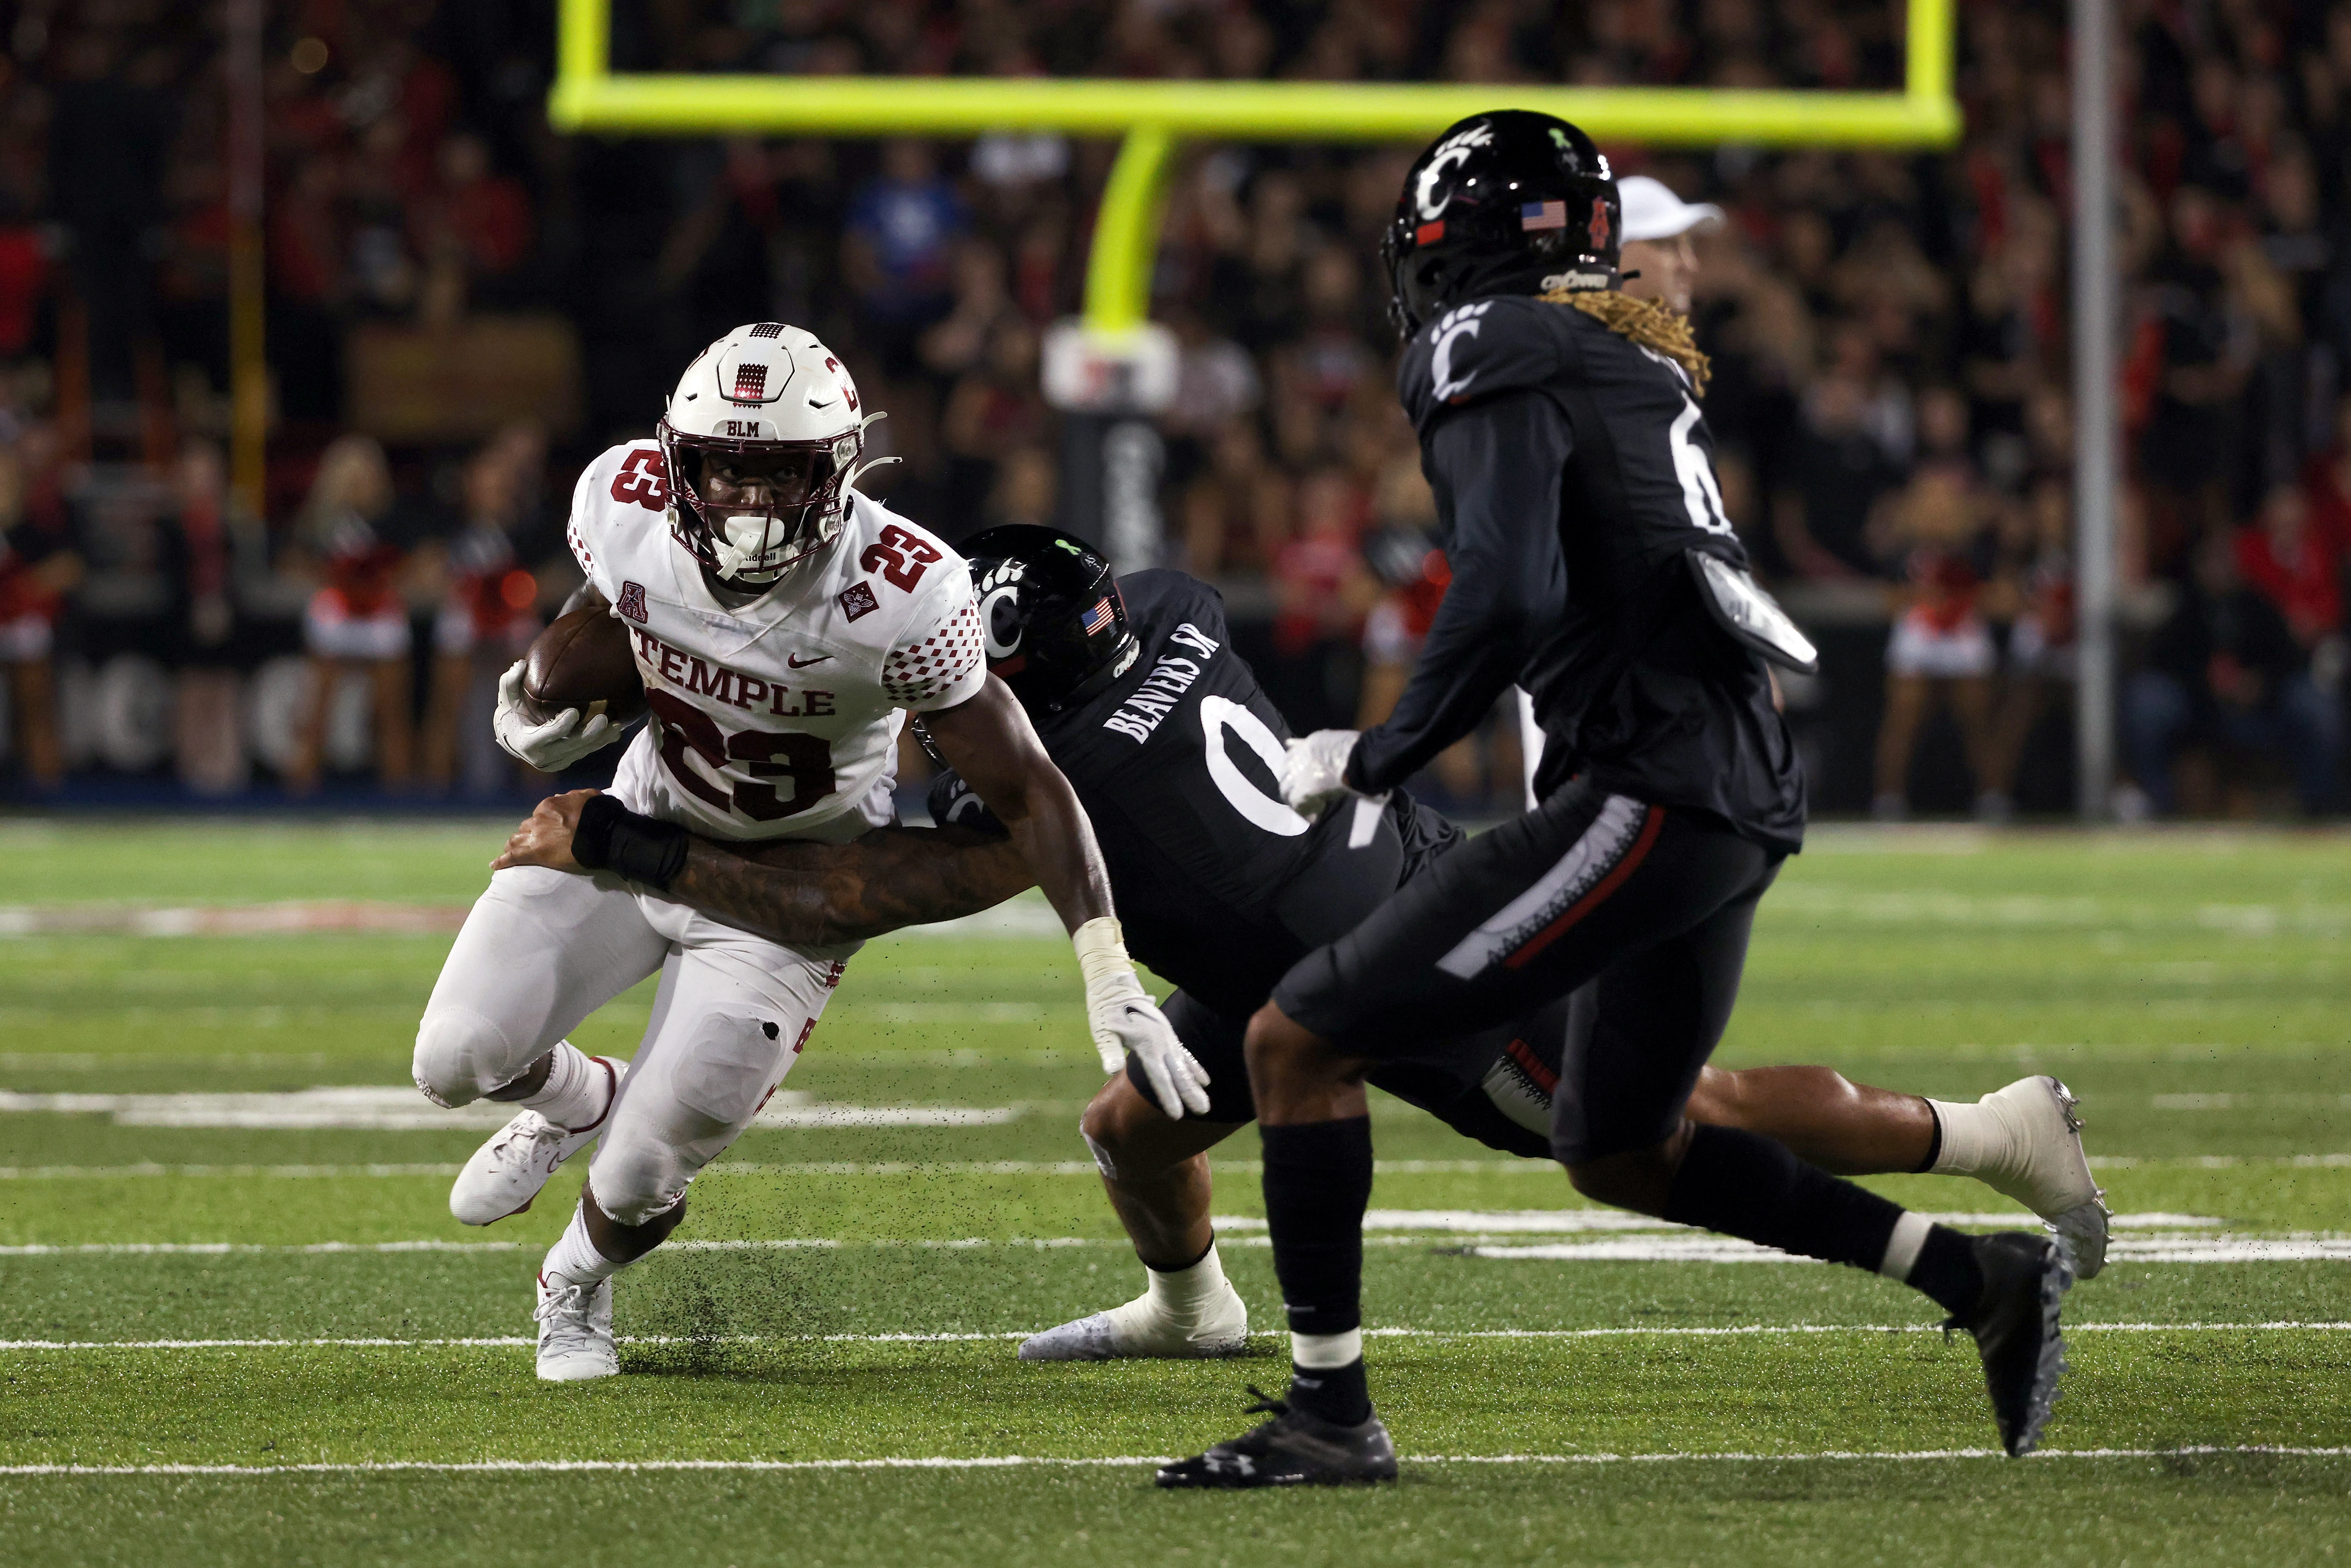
1152	116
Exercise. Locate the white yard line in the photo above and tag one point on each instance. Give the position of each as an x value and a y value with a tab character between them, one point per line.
1025	917
1019	1167
110	1173
374	1108
1508	1221
2218	1162
1710	1248
1488	1240
1742	1331
1016	1461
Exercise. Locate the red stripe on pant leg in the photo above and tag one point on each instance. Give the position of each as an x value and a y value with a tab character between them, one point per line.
1538	1073
1533	945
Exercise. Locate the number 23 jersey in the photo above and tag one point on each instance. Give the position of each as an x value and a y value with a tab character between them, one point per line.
778	719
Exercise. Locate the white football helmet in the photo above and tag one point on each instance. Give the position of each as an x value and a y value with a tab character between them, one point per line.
762	441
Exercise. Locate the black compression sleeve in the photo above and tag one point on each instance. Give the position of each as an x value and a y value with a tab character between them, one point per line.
612	838
1496	467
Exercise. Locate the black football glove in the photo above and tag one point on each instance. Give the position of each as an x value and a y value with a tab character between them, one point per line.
955	803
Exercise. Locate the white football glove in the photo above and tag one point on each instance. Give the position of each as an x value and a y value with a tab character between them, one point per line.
1125	1019
551	747
1313	770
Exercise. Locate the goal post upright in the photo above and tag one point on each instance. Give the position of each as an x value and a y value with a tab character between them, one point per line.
1153	118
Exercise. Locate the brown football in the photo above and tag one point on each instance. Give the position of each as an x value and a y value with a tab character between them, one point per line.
583	660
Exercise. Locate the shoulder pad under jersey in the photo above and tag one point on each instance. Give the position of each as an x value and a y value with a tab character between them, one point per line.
1501	344
1159	598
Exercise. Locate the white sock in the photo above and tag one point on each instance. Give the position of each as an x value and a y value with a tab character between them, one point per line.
1902	1247
1184	1293
1318	1352
574	1261
577	1091
1973	1134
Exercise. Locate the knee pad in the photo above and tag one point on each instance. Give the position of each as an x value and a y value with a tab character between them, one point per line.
727	1074
637	1179
663	1133
461	1056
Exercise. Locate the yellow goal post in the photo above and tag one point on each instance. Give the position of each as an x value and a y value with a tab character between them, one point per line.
1152	117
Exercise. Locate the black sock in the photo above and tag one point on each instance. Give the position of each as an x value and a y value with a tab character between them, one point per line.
1946	1271
1191	1262
1318	1179
1340	1394
1934	1144
1748	1187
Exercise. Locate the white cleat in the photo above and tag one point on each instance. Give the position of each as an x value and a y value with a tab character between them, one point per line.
575	1331
1143	1327
504	1176
2042	1167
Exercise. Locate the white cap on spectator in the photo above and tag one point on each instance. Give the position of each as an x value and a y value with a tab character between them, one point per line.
1653	211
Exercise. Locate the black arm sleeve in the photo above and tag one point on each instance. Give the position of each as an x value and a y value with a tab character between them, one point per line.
1496	468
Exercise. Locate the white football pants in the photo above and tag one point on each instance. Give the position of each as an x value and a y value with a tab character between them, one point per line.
542	949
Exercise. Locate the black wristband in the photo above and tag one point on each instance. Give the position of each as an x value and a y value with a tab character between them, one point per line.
612	838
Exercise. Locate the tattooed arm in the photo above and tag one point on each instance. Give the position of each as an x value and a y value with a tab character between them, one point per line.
806	893
812	895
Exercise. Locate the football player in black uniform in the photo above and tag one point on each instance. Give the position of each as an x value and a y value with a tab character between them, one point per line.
1592	563
1176	753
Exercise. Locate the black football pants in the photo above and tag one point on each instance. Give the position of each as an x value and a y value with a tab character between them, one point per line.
1643	912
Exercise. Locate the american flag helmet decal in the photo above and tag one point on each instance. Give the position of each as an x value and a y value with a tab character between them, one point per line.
1097	618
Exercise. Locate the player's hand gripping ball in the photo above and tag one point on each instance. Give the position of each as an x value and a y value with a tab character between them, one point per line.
551	745
571	694
1314	770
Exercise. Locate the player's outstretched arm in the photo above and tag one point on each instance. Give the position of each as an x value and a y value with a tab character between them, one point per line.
988	739
819	894
797	892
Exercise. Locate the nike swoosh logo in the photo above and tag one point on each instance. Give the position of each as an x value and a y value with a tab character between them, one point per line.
796	662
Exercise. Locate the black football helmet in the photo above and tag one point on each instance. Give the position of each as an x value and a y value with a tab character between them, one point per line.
1510	202
1051	616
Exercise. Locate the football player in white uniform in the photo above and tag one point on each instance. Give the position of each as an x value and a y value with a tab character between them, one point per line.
784	625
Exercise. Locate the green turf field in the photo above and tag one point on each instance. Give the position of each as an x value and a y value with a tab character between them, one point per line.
231	1339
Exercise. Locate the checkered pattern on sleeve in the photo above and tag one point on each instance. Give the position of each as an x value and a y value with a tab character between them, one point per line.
579	550
921	671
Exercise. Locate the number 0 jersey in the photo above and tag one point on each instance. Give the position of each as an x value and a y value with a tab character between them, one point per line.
1220	886
778	719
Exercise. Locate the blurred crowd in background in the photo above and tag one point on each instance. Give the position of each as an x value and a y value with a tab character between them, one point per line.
465	307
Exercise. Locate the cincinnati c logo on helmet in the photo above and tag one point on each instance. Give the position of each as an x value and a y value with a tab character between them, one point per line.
1455	149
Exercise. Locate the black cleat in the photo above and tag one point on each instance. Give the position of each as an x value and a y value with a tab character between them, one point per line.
1294	1449
2015	1330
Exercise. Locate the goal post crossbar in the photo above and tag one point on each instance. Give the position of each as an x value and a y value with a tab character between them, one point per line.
1154	117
